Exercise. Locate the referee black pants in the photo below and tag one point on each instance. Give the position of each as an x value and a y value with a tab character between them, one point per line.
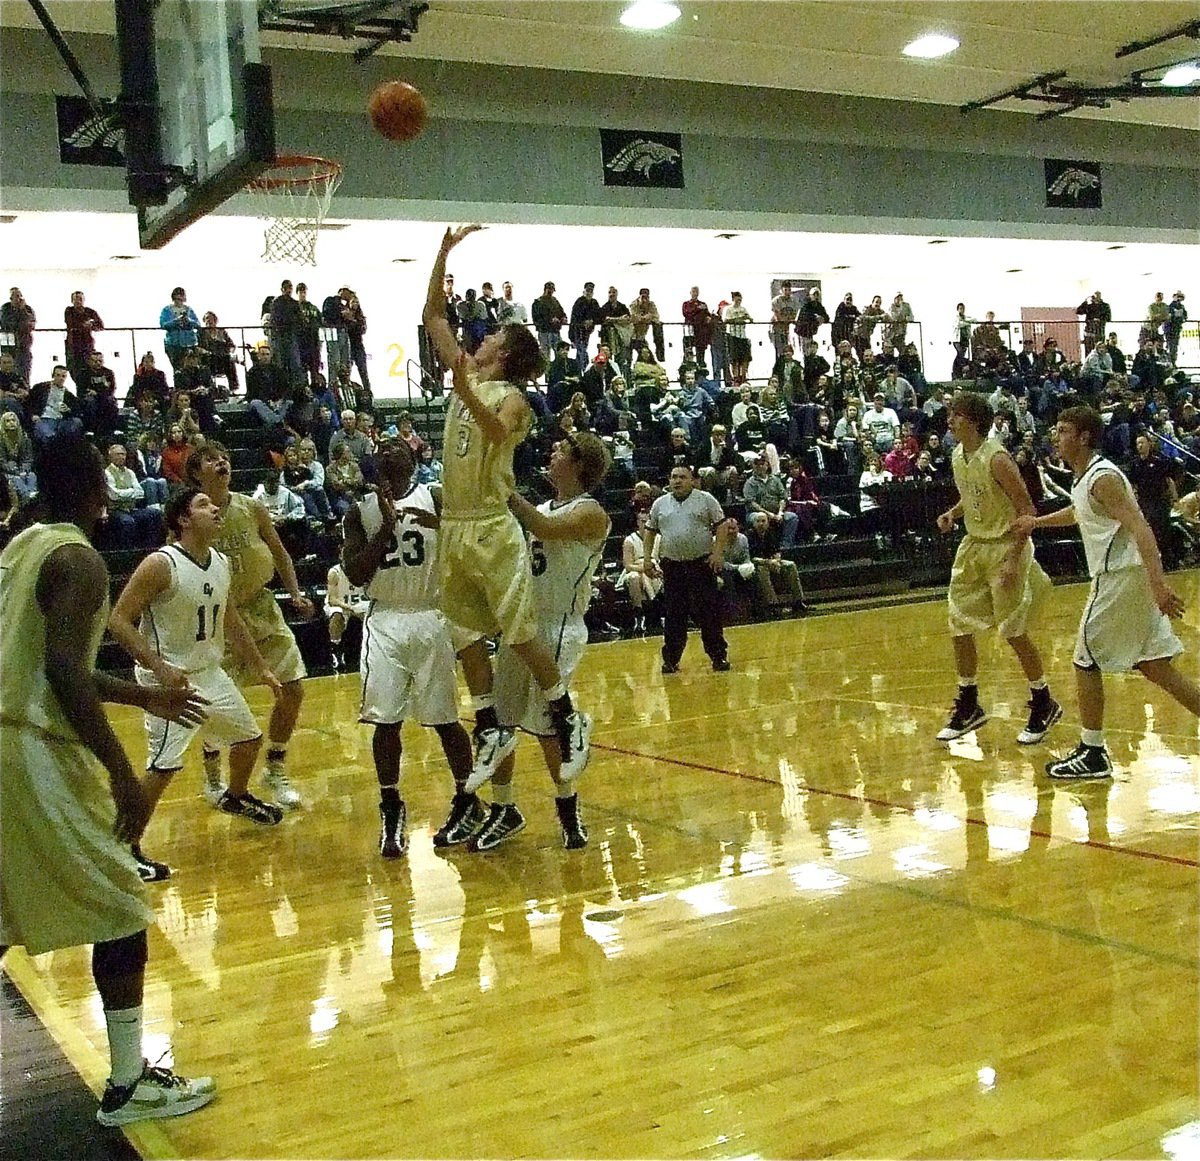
690	589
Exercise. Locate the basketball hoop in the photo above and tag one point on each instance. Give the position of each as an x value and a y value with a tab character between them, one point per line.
294	195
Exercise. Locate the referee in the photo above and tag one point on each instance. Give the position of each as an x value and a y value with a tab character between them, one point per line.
694	531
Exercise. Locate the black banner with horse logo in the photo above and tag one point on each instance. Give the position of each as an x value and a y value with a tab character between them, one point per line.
638	158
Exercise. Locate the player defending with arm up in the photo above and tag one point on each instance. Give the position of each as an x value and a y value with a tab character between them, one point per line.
568	541
483	557
408	666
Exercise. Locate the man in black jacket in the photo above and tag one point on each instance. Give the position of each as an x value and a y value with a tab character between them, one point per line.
549	318
585	315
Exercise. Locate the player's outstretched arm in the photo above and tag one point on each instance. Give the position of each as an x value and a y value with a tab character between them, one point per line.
150	580
283	562
1063	518
586	522
434	314
363	555
496	426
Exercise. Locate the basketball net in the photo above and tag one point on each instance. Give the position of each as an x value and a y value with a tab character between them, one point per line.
293	196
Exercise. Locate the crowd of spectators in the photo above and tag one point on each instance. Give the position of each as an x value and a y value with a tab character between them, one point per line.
858	407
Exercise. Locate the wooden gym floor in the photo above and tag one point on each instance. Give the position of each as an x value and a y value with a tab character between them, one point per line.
802	928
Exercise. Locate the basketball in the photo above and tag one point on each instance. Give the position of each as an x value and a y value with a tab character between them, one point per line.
398	111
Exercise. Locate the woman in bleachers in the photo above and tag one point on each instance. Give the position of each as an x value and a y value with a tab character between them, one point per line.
298	476
873	475
146	461
175	453
812	513
827	455
148	380
16	457
344	480
848	433
145	419
181	412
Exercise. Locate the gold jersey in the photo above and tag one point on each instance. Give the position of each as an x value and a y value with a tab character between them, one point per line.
250	559
987	511
25	694
478	476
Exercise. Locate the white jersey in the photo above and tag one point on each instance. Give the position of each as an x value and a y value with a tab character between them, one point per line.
407	579
185	625
1106	543
563	571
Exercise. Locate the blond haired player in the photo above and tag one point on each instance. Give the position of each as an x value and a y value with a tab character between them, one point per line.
255	552
1126	621
995	581
484	560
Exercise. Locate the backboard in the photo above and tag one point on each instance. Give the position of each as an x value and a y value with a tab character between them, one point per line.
197	104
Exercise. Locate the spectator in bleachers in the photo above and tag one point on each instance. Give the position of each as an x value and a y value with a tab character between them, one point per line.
562	368
939	457
1052	394
14	391
646	320
343	479
1146	369
849	433
828	454
134	524
737	345
844	318
812	513
429	467
181	325
621	472
286	510
322	429
298	477
196	379
308	334
616	329
873	475
901	459
777	579
718	464
175	454
784	309
356	327
16	457
677	453
698	326
986	339
285	332
765	492
473	320
585	315
788	371
146	461
101	416
745	399
549	318
864	330
149	380
737	567
1050	356
1097	368
643	590
909	367
895	333
322	396
219	350
750	439
596	379
182	413
774	414
614	404
811	316
145	418
17	318
82	323
881	423
508	309
335	312
815	365
1173	326
267	389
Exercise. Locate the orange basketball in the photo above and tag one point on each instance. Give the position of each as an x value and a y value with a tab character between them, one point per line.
398	110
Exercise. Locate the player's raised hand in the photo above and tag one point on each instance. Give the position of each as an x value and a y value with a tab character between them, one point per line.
460	381
453	237
179	704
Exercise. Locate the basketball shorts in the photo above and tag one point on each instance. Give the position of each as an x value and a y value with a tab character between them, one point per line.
274	639
229	720
520	701
408	669
978	601
487	585
1122	626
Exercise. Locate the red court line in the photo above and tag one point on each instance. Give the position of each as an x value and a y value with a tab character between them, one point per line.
863	798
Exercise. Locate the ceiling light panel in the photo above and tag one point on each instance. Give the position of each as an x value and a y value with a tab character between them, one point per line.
650	15
931	46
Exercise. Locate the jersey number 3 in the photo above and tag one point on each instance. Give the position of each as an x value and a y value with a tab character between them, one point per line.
412	554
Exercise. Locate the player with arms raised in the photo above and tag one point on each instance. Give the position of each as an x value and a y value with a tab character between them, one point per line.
408	662
484	560
568	541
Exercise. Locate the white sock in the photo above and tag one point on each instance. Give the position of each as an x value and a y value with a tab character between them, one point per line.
502	794
1092	737
125	1044
557	691
482	701
966	683
1039	684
